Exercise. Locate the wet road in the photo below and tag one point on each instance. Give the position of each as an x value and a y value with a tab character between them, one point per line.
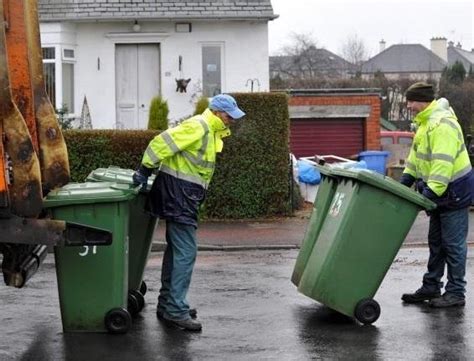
250	311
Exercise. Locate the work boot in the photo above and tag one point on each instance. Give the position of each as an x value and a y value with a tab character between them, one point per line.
420	295
447	300
192	313
187	325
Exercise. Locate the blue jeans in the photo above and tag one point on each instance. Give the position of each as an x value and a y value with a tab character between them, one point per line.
447	241
177	269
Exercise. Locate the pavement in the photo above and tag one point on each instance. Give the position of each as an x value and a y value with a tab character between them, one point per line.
278	233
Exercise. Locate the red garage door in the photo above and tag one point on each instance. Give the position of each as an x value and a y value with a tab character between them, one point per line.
342	137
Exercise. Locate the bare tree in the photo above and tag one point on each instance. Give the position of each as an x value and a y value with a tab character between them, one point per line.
354	51
300	61
303	64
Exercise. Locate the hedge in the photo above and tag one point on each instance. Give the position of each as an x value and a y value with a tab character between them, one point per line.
92	149
251	178
252	173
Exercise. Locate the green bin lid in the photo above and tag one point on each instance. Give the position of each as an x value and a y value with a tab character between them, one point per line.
117	175
378	180
89	192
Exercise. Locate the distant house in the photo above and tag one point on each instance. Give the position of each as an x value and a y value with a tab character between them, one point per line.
412	61
119	54
457	53
315	62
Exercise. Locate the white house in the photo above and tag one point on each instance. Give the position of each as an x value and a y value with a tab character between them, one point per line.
121	53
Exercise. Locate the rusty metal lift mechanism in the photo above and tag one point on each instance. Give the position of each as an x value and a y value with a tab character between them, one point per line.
33	152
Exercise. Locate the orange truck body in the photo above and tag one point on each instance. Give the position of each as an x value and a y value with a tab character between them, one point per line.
33	152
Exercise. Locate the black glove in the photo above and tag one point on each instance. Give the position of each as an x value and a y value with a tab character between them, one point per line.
140	177
407	179
420	186
428	193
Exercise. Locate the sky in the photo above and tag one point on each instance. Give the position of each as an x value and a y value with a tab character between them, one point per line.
332	22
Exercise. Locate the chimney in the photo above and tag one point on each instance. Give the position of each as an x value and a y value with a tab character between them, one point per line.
439	47
450	44
458	45
382	45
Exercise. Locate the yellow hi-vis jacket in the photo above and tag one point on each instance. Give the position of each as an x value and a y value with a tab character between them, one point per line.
188	151
438	154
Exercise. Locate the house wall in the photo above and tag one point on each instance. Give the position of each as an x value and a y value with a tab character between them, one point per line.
244	56
372	125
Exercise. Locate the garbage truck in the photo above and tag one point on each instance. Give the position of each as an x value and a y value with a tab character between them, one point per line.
33	153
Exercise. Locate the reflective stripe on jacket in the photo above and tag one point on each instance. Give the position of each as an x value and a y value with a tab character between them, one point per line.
438	154
188	151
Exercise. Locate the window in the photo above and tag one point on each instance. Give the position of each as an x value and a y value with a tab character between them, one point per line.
68	86
405	140
211	70
68	54
59	76
49	70
386	140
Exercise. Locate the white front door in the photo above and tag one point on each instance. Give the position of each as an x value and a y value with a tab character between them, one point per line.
137	79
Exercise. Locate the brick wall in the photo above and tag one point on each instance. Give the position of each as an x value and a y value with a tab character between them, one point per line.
372	124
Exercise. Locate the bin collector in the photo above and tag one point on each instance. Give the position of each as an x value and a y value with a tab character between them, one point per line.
185	157
439	165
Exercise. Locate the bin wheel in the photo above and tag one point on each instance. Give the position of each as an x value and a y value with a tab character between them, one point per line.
140	300
133	305
367	311
143	288
118	320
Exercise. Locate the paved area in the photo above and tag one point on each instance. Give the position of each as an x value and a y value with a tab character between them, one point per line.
250	311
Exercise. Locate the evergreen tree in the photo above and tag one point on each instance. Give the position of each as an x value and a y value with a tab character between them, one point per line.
158	115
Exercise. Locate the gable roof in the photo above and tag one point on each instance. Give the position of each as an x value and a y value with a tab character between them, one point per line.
405	58
318	59
456	53
73	10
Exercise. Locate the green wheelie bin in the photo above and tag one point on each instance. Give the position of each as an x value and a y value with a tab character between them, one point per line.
326	189
141	228
367	222
93	281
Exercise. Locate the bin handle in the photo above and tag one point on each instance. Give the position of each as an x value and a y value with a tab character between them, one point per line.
123	186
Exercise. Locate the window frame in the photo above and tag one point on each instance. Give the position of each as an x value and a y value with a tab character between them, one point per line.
221	46
58	61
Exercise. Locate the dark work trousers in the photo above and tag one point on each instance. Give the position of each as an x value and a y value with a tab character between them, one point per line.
177	269
447	241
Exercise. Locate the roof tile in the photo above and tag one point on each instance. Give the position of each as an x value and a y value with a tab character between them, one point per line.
56	10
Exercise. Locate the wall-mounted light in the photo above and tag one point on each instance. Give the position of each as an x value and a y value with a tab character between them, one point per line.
183	27
136	27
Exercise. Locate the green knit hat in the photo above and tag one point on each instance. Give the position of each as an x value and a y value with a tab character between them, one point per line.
420	92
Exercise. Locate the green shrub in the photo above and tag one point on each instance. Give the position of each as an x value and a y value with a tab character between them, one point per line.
92	149
64	121
201	105
158	114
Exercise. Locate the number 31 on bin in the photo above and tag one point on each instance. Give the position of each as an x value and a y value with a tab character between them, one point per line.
86	251
337	204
